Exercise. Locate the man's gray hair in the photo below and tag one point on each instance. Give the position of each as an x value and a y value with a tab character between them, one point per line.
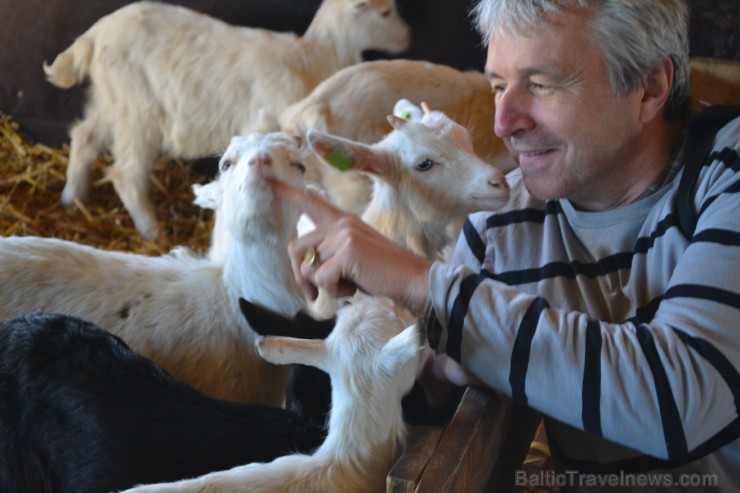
635	36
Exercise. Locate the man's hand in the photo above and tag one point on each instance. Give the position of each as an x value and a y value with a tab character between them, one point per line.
352	255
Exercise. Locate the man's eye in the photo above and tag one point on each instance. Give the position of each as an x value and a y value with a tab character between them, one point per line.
534	86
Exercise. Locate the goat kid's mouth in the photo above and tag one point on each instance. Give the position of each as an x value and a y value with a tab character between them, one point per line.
488	202
259	179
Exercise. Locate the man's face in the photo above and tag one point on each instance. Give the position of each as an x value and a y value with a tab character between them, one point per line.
556	113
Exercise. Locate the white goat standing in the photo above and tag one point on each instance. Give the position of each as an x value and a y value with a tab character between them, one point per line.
354	103
169	80
180	310
372	356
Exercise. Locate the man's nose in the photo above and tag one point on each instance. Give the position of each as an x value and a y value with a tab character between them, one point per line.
513	113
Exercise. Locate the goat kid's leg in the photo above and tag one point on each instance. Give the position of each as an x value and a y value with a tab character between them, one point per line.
89	138
240	479
133	160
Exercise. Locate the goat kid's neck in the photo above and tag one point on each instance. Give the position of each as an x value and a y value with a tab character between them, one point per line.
261	273
329	50
390	214
351	426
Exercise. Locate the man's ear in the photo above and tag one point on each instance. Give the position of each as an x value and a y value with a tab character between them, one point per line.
656	91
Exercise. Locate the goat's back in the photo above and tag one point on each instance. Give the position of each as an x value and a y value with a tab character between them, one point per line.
180	74
80	412
355	102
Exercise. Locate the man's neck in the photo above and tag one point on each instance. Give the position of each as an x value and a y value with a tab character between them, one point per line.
645	173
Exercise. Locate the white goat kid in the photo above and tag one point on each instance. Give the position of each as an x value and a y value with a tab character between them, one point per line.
426	177
169	80
372	356
180	310
354	103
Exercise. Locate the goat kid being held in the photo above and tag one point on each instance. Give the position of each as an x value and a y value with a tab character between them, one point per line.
354	103
181	310
426	178
372	357
165	79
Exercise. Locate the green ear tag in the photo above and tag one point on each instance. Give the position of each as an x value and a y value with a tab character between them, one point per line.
337	158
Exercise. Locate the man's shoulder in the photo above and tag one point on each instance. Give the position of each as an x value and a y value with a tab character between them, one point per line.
721	162
729	134
711	166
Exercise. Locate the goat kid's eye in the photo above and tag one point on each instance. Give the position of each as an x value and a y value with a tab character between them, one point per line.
301	167
226	164
425	165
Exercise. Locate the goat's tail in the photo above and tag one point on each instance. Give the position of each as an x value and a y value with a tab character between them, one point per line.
72	65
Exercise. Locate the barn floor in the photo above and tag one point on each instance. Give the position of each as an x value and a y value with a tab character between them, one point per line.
32	176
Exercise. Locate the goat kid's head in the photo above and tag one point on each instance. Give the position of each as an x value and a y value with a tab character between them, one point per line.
241	193
370	335
430	161
367	24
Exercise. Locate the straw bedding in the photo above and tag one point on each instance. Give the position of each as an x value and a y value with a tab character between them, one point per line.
32	176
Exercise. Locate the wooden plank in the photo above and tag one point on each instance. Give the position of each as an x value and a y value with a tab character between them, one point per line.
520	431
406	473
467	451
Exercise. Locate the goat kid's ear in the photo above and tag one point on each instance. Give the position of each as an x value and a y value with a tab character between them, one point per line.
288	350
399	350
343	154
268	323
407	110
396	121
208	196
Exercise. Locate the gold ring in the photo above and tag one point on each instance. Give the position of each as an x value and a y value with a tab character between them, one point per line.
312	257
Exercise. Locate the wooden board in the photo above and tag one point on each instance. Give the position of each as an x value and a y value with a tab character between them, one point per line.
463	455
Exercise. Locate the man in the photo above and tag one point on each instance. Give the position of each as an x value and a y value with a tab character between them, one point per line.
584	298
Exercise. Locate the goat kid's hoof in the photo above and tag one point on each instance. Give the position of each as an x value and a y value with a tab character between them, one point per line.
70	197
148	231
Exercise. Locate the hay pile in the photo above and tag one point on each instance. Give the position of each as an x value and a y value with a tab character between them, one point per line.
31	180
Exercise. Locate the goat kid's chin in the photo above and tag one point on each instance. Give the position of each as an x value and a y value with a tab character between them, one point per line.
494	198
488	203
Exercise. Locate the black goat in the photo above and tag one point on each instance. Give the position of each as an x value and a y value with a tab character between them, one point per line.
80	412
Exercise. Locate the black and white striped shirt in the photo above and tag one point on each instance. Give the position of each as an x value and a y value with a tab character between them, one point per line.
622	331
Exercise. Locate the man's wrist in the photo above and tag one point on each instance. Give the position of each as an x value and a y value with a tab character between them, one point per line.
418	289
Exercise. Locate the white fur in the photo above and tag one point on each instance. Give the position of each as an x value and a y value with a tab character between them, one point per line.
414	202
180	310
168	80
354	102
372	358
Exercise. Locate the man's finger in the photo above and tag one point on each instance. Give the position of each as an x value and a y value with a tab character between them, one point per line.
316	208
